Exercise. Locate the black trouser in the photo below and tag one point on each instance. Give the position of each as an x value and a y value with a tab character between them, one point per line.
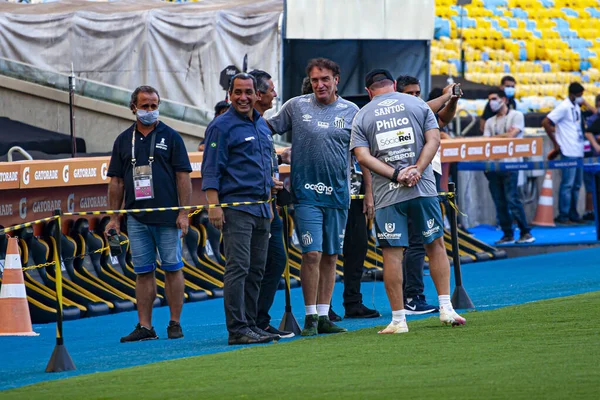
245	238
355	251
413	262
276	259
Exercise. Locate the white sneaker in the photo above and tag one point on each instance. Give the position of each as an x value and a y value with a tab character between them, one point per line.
449	317
395	327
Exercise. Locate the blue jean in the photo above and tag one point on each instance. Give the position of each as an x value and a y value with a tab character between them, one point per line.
503	188
568	197
145	240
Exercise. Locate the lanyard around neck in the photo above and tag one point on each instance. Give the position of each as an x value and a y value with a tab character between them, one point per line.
152	144
505	123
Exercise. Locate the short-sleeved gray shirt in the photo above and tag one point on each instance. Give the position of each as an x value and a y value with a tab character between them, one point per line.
320	149
392	126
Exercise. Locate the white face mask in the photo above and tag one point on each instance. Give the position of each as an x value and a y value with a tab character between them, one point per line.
495	105
579	100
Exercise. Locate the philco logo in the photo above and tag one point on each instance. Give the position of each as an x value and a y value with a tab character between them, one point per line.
104	171
463	151
26	176
71	203
488	149
23	207
66	173
511	147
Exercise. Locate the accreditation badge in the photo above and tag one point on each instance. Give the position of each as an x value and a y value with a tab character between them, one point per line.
142	182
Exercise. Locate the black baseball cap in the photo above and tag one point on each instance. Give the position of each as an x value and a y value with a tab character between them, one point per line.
377	75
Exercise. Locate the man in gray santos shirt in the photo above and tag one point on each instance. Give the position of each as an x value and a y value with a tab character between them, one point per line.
396	136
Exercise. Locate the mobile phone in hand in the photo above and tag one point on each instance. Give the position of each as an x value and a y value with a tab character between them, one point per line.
456	90
114	242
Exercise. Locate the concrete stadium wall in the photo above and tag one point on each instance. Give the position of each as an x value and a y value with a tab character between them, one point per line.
97	122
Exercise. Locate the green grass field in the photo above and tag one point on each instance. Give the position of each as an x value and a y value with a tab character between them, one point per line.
543	350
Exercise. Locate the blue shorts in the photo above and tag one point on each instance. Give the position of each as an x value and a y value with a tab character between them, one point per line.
145	240
320	228
391	222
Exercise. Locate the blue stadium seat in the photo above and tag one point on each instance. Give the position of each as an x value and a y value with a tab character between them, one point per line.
570	12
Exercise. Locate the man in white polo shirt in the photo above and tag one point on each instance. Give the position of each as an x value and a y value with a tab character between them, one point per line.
564	127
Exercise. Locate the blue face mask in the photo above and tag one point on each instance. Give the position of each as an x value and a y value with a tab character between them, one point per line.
510	91
147	117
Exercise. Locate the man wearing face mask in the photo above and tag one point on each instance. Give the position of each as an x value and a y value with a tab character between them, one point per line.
503	185
507	84
150	168
563	126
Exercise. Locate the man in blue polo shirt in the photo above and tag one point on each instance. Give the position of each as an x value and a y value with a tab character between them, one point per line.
150	168
238	167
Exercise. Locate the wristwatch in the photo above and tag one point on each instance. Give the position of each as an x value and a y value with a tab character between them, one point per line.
394	177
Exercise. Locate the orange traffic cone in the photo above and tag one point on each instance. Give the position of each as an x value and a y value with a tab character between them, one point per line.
544	215
14	311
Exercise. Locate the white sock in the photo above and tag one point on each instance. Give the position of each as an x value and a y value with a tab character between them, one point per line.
445	301
311	310
398	316
323	309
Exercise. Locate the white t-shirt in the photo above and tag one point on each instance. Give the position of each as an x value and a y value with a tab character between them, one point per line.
497	125
567	119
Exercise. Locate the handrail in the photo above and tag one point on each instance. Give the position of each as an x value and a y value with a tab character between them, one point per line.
21	150
459	131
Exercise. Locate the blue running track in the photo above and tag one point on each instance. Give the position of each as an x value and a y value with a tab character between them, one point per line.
94	343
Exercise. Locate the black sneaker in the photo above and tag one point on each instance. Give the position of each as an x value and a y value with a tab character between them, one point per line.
174	330
417	306
561	221
526	238
588	216
576	221
282	334
506	240
326	326
259	331
248	337
333	316
361	311
139	334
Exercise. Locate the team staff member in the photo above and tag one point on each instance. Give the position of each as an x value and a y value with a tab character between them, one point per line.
413	264
503	185
237	166
320	124
396	136
563	126
149	167
276	256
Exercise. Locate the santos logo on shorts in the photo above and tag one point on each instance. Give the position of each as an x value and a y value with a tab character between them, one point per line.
320	188
307	239
431	229
388	140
